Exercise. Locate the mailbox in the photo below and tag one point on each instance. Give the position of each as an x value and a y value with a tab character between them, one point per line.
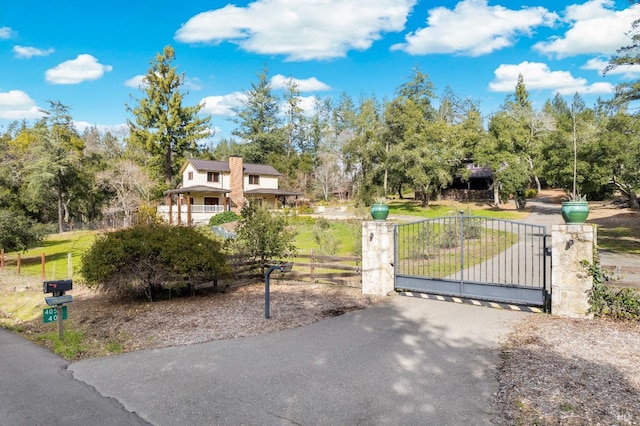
57	286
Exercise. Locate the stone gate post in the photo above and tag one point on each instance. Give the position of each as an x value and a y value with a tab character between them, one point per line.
570	280
378	246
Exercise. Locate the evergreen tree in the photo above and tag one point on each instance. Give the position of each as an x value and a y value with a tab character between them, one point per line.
162	126
258	121
627	56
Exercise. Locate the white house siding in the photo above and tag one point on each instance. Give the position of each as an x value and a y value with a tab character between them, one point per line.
266	182
200	178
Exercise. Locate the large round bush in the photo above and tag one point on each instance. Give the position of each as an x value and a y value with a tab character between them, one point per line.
143	260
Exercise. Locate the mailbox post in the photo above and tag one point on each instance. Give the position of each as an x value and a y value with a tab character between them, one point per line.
58	299
285	267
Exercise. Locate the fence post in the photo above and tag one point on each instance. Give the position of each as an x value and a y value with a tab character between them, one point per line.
69	266
43	261
311	268
18	263
2	260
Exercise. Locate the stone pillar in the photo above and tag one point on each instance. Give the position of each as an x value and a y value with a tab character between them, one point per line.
378	249
570	279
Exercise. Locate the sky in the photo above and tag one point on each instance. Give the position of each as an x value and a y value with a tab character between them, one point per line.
91	56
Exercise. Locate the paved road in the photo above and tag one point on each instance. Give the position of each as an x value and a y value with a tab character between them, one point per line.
406	361
37	389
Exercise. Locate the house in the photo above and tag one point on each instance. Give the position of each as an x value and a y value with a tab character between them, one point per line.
210	187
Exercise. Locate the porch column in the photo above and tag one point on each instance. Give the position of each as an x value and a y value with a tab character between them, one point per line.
570	279
170	201
378	246
179	210
188	209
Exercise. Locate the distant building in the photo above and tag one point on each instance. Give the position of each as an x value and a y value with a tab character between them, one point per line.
210	187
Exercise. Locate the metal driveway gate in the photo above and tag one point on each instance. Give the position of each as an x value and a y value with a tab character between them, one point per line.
473	257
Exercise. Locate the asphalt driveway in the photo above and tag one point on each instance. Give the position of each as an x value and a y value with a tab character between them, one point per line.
407	361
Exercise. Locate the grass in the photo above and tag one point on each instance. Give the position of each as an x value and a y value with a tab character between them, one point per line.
433	210
70	347
622	239
346	234
56	249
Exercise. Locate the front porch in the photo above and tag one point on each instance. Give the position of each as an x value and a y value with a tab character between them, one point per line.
190	214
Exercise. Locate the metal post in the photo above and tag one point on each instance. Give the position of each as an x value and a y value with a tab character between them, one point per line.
60	328
461	251
266	289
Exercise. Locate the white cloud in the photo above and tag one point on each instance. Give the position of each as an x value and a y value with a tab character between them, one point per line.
17	105
599	64
117	129
308	105
299	29
83	68
474	28
193	83
29	52
222	105
595	28
5	33
136	82
538	76
312	84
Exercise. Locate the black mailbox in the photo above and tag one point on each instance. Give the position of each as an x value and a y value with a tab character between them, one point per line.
57	286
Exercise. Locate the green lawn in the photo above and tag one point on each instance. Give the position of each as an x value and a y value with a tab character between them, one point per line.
623	239
56	249
411	208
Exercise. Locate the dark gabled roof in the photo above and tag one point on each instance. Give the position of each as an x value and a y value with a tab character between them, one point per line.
197	189
271	191
222	166
261	169
209	165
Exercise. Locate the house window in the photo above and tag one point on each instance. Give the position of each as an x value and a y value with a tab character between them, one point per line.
254	180
211	201
213	177
190	176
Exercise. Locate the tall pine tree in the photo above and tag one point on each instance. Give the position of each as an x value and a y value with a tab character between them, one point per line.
162	126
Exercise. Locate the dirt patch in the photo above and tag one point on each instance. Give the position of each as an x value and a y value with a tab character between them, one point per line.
117	326
559	371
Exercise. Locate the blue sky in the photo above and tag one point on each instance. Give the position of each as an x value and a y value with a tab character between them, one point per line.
89	55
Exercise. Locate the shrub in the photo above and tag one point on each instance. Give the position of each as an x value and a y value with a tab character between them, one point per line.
531	193
18	232
148	215
262	235
224	217
622	303
326	241
143	260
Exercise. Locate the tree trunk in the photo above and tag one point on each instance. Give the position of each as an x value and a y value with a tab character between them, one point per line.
168	173
496	194
633	201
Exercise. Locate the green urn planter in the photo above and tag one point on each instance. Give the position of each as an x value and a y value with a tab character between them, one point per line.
379	211
575	211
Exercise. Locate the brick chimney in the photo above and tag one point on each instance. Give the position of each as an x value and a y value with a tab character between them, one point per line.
236	183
